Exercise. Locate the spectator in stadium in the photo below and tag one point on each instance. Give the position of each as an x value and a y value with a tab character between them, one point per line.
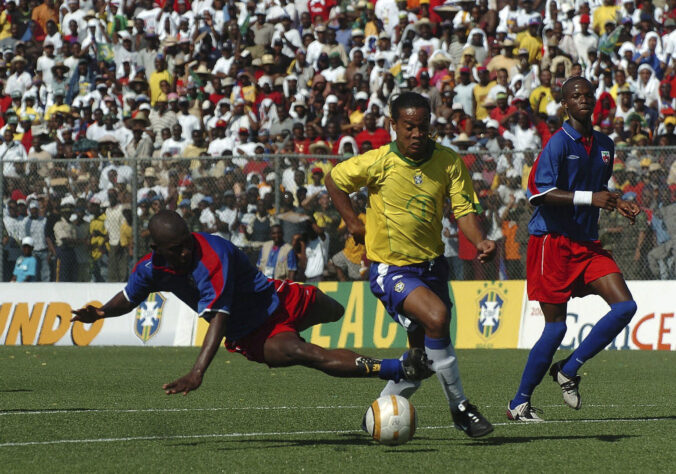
565	225
65	240
264	317
408	271
25	267
276	258
350	262
35	227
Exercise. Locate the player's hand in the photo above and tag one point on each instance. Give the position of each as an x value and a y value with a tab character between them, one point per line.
88	314
605	200
357	230
185	384
628	209
486	250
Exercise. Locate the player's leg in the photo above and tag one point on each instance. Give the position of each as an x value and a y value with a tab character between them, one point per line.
613	289
288	348
539	360
406	388
428	309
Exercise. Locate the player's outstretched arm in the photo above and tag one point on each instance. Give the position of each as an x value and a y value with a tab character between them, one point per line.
470	226
116	306
193	379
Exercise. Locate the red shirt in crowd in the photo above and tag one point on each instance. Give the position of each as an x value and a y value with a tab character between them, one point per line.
320	8
378	138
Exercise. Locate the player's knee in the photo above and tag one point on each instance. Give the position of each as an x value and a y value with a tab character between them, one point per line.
625	310
436	321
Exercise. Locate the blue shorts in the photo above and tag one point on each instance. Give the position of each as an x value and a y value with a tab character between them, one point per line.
392	284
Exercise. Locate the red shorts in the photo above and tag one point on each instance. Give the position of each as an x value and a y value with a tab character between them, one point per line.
294	301
559	268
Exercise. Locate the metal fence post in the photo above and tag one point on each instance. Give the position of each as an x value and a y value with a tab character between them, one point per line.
2	217
134	211
278	174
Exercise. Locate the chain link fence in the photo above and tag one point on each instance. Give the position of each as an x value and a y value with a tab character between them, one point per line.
87	217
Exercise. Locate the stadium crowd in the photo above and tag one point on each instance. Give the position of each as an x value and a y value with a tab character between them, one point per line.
201	93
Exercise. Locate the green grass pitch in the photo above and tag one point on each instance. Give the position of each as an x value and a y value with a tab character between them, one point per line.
65	409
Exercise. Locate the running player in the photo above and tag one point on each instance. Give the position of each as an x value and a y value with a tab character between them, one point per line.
568	184
259	317
408	181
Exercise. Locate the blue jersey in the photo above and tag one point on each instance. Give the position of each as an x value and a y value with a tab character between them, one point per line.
222	280
565	164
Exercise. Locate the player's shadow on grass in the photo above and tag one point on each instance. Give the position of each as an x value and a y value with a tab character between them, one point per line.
345	440
15	390
503	440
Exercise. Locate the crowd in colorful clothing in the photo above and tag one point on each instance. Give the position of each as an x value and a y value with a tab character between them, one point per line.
226	84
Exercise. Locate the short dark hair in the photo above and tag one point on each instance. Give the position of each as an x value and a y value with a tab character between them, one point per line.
568	85
408	100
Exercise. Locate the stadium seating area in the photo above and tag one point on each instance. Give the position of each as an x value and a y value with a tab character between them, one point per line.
213	106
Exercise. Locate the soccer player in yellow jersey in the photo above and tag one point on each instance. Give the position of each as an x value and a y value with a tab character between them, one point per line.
408	181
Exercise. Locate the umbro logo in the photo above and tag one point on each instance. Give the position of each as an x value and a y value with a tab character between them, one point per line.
573	157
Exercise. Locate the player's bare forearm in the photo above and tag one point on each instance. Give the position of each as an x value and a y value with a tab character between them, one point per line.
342	203
558	197
212	341
116	306
471	228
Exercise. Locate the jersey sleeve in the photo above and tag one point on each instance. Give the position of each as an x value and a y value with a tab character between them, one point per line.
461	190
353	174
545	171
216	289
140	283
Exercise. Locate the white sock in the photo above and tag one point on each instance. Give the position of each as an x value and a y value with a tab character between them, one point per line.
445	364
405	388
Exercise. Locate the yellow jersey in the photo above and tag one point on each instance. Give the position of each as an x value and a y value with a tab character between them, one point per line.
406	200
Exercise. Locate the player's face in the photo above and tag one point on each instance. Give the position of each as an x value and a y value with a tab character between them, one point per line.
579	101
178	252
412	128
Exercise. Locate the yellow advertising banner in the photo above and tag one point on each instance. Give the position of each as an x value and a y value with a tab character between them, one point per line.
488	313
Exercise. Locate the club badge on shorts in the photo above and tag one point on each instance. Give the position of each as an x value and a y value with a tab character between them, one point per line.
605	156
399	287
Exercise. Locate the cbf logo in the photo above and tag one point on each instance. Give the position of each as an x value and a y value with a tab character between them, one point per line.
605	156
417	179
490	309
149	316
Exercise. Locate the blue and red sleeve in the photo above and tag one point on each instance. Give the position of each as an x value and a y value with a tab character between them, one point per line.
545	172
140	282
211	277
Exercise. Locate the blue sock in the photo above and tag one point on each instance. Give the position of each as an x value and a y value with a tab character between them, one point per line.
539	360
601	335
391	369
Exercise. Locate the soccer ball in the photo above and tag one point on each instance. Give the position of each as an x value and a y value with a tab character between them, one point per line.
391	420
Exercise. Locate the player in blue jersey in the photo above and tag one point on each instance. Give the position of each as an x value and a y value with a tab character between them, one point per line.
408	181
568	184
258	317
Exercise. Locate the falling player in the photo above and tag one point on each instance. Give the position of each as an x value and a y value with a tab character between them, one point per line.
259	317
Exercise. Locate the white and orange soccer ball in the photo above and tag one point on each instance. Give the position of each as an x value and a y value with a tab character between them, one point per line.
391	420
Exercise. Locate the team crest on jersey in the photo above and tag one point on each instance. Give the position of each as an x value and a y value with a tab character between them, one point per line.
417	179
605	156
399	287
149	316
490	302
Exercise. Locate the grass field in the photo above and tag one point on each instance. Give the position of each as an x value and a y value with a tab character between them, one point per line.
65	409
